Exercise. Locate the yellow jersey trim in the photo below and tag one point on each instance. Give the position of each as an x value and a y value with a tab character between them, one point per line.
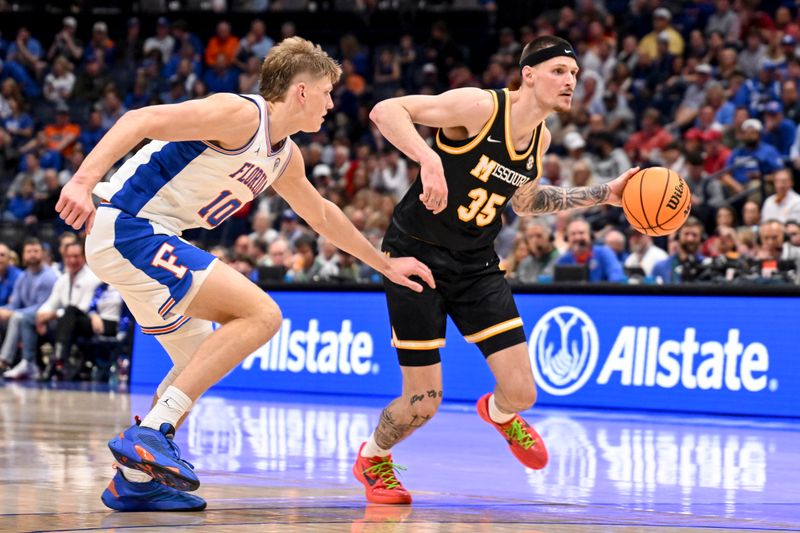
457	150
539	154
497	329
512	153
416	345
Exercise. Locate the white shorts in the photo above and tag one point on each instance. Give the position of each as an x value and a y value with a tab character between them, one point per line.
156	272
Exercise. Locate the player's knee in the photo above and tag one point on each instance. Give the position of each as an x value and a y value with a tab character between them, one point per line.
268	318
424	404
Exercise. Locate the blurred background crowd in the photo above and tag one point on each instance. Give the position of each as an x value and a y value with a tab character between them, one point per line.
707	88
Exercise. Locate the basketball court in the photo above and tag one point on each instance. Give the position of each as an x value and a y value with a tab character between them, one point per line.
281	462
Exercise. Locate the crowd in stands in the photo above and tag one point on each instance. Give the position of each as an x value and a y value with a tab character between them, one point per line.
707	88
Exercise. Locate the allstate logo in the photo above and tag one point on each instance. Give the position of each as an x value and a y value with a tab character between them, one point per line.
563	350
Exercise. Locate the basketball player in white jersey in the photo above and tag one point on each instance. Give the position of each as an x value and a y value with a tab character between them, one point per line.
207	158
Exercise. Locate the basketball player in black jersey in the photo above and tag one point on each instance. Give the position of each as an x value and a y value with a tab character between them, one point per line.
488	152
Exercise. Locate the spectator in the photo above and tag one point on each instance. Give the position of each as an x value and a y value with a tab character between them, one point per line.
391	176
648	46
20	204
615	241
68	306
9	273
542	257
601	261
33	173
651	138
250	79
162	42
519	252
785	203
752	57
751	214
772	247
65	44
778	131
91	83
756	92
44	208
725	21
18	124
58	85
279	255
255	44
707	192
223	43
754	162
716	153
222	77
27	52
31	290
723	109
60	136
644	254
680	265
290	229
793	233
92	133
100	45
111	108
611	161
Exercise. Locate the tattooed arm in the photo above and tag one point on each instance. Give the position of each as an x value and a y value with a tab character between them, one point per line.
533	199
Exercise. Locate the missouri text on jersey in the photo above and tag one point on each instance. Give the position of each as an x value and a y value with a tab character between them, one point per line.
488	167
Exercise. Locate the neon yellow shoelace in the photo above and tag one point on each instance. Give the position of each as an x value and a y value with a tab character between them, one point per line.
385	470
516	432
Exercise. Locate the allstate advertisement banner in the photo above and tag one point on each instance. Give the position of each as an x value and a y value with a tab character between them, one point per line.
721	354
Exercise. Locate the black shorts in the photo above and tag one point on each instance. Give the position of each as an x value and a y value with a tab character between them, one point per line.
470	287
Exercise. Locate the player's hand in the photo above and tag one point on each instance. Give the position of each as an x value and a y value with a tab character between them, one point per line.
75	205
434	186
402	268
616	186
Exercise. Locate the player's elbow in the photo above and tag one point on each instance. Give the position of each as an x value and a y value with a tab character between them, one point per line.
379	112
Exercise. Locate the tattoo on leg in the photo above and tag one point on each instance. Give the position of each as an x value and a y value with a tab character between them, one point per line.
390	430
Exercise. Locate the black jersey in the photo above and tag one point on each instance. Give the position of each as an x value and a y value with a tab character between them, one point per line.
482	174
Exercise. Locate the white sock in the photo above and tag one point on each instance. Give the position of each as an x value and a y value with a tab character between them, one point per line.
496	414
371	449
133	475
170	407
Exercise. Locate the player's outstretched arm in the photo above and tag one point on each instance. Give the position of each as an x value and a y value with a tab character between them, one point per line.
467	109
226	119
328	220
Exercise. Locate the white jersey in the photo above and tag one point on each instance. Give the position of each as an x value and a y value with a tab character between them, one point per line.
191	184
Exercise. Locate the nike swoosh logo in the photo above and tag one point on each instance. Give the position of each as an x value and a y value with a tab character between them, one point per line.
492	140
567	52
370	480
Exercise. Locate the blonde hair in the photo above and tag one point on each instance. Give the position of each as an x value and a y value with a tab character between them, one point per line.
291	57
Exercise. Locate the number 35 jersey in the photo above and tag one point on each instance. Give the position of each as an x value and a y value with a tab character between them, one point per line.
191	184
482	174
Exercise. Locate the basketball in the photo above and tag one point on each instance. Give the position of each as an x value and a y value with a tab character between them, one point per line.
656	201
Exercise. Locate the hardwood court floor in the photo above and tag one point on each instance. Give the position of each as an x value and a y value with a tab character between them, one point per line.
271	464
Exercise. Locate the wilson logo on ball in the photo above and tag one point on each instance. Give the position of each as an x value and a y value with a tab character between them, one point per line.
677	194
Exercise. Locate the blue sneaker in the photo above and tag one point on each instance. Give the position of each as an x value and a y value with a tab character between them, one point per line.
156	454
124	495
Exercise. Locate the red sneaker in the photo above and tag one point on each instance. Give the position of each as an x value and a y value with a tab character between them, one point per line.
525	443
377	476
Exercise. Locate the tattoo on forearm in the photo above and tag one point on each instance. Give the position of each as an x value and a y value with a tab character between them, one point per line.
416	398
548	199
